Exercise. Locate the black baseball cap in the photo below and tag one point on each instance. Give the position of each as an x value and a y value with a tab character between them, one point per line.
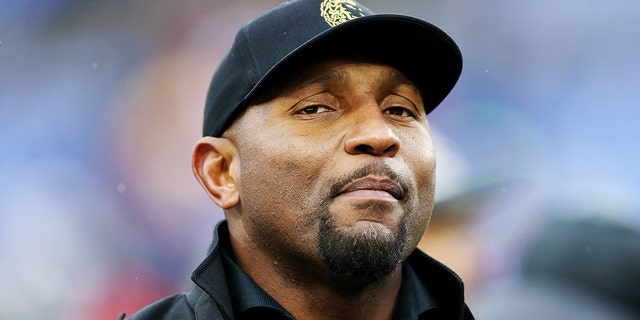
283	37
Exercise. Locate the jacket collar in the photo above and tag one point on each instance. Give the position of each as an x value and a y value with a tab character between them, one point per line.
210	275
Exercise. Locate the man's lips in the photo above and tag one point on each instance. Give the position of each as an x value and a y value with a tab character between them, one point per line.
371	186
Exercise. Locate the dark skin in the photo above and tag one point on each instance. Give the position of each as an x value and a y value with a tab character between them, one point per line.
344	141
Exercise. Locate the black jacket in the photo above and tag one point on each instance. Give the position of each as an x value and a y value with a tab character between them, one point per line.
210	297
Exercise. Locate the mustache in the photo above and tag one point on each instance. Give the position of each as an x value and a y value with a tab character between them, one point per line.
371	169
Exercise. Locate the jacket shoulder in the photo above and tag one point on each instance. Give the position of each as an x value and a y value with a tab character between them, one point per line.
172	307
194	304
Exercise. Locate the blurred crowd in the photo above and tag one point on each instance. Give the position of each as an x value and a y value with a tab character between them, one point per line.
101	104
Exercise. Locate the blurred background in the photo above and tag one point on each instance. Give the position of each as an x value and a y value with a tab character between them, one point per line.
101	105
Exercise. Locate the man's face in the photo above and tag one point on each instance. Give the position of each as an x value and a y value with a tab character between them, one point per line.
337	172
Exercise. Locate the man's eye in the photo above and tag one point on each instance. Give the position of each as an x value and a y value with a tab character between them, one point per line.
314	109
400	111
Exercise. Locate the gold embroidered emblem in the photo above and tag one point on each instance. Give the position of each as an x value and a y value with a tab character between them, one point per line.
336	12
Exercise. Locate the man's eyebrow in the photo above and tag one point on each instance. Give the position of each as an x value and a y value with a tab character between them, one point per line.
395	78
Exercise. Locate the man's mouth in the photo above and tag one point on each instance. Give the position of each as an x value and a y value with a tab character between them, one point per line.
373	187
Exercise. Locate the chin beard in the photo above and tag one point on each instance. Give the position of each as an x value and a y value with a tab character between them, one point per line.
359	257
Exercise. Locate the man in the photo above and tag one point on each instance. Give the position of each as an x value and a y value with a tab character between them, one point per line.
316	144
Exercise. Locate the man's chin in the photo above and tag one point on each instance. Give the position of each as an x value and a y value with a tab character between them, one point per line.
366	252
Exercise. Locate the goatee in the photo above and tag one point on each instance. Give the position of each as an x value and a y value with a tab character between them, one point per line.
360	256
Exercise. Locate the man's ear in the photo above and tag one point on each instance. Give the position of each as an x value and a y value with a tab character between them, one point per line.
215	164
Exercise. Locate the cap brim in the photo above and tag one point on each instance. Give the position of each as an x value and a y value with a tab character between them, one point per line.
418	49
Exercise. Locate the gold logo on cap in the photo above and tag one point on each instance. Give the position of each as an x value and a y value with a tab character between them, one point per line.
336	12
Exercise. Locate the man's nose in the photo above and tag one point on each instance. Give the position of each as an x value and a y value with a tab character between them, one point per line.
370	133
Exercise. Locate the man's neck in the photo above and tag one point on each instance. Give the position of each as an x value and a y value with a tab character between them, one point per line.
375	301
